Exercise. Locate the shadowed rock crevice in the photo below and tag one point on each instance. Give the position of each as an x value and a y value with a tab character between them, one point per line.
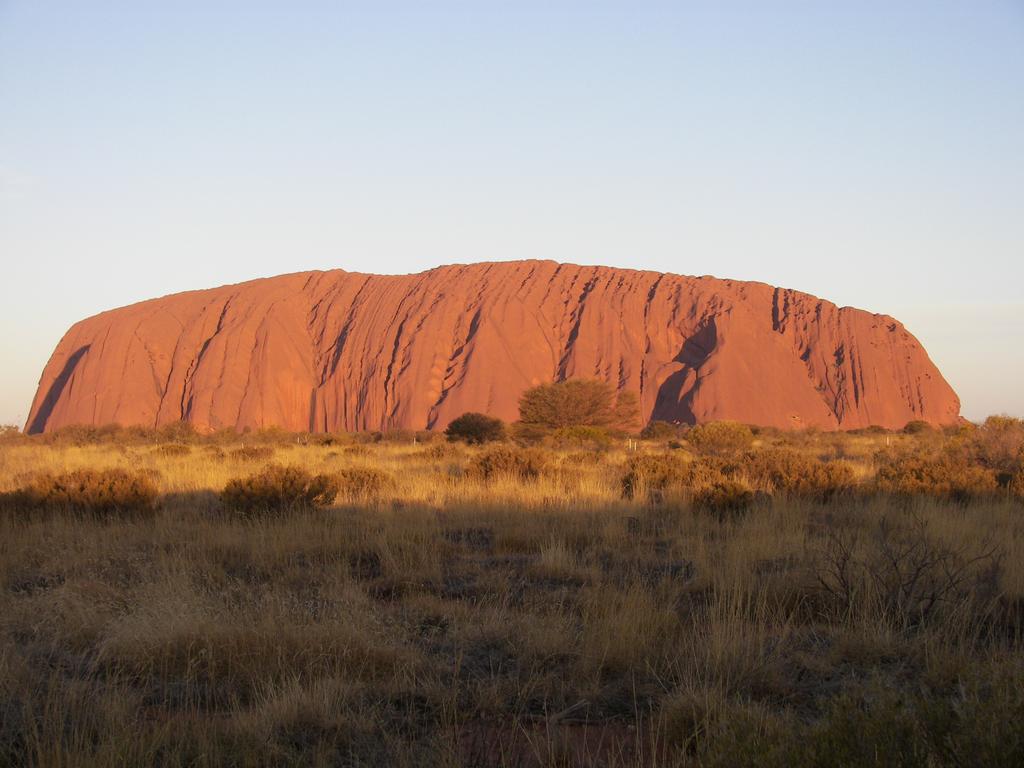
674	402
41	417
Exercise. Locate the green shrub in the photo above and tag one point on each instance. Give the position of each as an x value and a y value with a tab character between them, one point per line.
363	483
508	461
475	429
784	471
720	438
943	477
279	490
106	493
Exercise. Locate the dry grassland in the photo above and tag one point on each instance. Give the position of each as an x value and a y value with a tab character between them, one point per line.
444	615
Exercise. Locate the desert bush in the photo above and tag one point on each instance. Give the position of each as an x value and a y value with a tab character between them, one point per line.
222	436
582	458
363	483
278	490
177	432
765	432
106	493
395	437
528	434
252	453
475	429
442	451
659	430
1017	484
578	402
398	436
172	450
580	435
136	434
84	434
722	497
720	438
654	475
998	443
794	474
876	724
948	477
903	575
272	435
917	427
708	483
508	461
323	439
871	429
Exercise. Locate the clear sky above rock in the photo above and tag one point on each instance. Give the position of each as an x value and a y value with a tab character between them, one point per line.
871	153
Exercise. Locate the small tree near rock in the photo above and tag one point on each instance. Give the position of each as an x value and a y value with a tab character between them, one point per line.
720	438
579	403
475	429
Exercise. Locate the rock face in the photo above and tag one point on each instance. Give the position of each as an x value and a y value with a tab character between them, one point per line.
336	350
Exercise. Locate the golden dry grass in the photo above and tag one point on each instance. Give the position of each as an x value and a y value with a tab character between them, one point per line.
449	618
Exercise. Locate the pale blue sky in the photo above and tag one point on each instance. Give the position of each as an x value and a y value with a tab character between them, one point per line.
869	152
